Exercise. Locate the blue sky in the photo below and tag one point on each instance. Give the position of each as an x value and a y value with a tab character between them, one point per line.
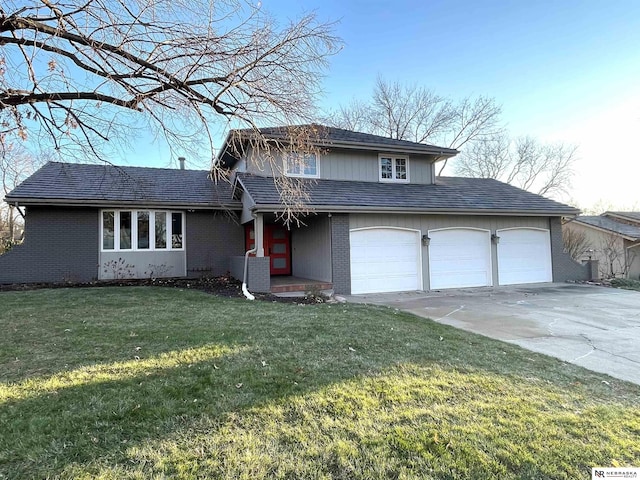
562	70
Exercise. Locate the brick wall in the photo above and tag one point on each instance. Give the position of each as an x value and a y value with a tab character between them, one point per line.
61	244
340	254
211	238
564	267
258	273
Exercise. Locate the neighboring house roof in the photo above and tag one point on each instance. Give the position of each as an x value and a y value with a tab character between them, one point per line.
97	185
449	195
337	137
628	216
608	224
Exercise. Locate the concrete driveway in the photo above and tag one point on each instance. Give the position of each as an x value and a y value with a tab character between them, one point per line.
595	327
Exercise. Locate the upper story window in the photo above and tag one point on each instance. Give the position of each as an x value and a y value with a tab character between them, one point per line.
394	168
141	230
302	165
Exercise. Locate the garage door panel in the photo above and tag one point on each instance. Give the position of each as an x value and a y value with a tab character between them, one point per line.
459	258
524	256
385	260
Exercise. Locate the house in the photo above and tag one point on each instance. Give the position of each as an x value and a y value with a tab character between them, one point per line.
380	220
613	239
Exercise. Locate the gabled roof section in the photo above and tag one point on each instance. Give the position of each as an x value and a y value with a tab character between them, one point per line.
633	217
338	138
457	195
602	222
59	183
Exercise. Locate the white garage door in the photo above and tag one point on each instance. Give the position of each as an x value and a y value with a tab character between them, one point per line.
385	260
459	257
524	256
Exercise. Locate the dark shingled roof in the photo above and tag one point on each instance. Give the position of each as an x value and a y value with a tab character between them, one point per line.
610	224
450	194
634	216
340	135
70	183
335	137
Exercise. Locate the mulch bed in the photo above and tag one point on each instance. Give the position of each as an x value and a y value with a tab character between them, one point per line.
223	286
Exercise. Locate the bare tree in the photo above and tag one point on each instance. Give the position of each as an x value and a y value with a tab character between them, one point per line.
611	250
16	164
415	113
79	73
617	258
355	116
575	242
545	169
408	112
488	157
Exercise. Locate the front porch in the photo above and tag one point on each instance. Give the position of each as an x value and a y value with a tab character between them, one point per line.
297	284
286	259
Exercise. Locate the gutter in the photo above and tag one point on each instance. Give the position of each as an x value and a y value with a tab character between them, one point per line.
270	208
117	203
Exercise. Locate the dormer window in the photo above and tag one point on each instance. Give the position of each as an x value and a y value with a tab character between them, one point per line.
302	165
394	168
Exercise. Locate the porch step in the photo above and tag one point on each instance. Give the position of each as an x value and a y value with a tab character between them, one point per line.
301	287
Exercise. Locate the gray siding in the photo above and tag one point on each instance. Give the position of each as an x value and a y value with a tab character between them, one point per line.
311	249
346	165
141	264
211	238
61	244
364	166
340	254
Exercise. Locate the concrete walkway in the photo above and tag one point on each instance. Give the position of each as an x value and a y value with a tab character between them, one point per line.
595	327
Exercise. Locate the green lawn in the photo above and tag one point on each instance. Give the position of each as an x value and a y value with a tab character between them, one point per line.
142	382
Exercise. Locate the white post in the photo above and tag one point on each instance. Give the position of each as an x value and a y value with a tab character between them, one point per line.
258	231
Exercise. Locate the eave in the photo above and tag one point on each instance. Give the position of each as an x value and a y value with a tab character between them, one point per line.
440	152
65	202
271	208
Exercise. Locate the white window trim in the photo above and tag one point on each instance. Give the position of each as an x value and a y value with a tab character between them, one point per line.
134	230
393	168
286	160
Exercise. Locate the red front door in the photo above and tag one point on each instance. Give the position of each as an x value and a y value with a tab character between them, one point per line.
277	246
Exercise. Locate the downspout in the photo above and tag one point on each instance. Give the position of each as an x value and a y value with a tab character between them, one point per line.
246	292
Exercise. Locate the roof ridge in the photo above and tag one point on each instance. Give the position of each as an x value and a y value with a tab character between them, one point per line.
135	167
275	129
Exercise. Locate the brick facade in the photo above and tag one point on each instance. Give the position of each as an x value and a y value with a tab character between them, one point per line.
211	238
60	245
258	272
340	254
564	267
